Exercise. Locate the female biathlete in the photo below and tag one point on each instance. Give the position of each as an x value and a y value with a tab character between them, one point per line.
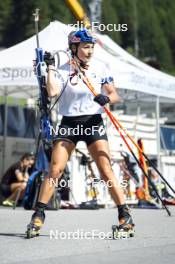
80	109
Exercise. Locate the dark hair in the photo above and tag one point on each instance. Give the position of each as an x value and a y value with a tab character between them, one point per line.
28	155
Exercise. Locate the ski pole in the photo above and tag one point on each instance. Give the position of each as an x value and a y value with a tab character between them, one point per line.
146	175
131	151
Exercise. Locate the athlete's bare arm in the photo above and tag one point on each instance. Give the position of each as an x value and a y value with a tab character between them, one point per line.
111	92
52	86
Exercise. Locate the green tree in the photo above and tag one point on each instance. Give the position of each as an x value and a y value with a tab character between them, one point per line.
125	13
20	21
109	15
166	10
5	11
152	40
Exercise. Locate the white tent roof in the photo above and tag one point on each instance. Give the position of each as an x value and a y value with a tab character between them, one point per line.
16	73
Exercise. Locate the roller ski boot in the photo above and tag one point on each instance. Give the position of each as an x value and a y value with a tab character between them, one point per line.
125	229
37	221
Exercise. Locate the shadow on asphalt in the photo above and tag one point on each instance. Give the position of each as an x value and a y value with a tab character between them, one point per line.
18	235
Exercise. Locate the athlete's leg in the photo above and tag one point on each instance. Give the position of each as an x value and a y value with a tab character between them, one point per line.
60	155
99	151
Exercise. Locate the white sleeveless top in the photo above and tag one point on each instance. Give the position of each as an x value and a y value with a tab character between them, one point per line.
77	99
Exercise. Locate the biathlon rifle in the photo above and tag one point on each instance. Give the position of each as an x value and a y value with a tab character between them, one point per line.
43	101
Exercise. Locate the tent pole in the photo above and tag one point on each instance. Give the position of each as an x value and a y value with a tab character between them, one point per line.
158	138
5	129
158	130
137	118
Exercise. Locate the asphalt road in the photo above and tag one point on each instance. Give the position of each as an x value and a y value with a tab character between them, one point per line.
83	236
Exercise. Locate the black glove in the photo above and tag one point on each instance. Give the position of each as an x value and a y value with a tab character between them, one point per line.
49	59
101	99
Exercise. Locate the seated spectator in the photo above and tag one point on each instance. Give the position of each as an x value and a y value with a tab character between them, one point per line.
31	167
15	179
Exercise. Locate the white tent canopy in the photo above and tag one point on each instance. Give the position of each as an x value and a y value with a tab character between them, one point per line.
16	73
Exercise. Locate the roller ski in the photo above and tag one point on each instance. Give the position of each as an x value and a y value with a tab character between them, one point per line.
37	221
125	229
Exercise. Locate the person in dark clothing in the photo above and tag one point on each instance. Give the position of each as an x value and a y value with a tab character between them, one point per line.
15	179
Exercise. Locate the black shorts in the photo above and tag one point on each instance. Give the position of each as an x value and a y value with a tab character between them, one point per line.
5	190
87	128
